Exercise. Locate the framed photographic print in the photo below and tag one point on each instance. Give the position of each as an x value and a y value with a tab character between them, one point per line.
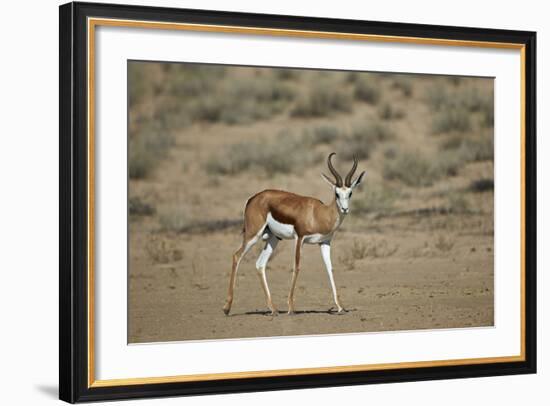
258	202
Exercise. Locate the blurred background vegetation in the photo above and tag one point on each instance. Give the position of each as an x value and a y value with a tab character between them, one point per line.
426	141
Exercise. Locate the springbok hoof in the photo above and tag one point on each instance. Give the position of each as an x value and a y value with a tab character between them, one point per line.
226	310
274	313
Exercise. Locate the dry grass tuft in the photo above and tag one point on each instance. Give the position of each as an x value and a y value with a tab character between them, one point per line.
367	249
163	251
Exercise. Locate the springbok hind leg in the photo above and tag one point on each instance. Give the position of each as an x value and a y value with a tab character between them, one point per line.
296	270
261	264
237	257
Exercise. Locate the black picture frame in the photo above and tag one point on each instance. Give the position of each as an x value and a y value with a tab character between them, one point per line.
73	255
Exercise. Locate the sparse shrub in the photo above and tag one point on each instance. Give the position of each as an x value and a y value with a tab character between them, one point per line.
404	84
436	97
411	169
451	120
174	219
454	108
364	139
415	169
474	101
388	112
375	199
284	155
366	90
457	203
146	148
454	80
352	77
481	185
137	83
446	163
200	93
360	250
286	74
140	161
242	102
137	207
321	101
163	251
444	244
481	149
207	108
488	118
390	152
470	149
451	142
325	134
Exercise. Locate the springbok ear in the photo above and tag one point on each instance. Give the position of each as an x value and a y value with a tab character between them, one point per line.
327	179
358	180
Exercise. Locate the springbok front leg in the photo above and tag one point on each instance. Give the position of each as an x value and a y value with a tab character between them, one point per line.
325	253
295	271
261	264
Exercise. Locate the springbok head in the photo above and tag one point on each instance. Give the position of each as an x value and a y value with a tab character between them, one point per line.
343	190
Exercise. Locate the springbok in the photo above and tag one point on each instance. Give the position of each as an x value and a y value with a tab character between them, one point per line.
274	215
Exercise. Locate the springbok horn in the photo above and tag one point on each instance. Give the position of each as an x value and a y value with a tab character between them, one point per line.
351	172
333	171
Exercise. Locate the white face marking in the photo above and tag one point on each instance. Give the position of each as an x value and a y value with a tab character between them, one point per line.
343	196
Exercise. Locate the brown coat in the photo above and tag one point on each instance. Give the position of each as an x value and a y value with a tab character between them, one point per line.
307	214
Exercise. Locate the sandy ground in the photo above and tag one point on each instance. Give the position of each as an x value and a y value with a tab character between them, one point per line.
184	300
417	271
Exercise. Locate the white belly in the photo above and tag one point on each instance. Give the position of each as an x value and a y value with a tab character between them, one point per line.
281	230
316	238
287	232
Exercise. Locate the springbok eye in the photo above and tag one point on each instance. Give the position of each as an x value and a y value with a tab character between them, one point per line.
350	193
